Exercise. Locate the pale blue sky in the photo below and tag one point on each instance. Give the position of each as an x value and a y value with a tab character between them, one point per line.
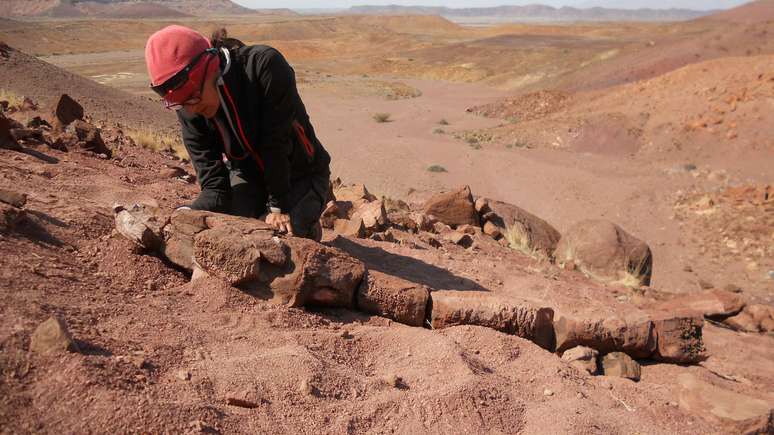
302	4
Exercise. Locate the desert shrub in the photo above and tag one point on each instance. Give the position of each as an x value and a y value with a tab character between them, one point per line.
13	99
382	117
436	168
519	144
153	140
439	131
443	121
518	239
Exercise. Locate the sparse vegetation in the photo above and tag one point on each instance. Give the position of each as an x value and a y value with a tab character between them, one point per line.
382	117
443	121
519	144
436	168
153	140
439	131
13	99
475	145
632	278
519	240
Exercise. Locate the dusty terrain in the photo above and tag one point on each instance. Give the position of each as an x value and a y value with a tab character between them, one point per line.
664	129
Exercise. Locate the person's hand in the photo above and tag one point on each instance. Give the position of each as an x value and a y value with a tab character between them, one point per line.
280	221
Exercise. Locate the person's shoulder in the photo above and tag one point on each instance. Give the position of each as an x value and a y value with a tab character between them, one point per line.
258	50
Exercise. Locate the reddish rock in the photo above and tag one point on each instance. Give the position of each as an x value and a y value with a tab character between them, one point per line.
67	110
679	339
584	359
753	318
139	224
15	199
458	238
374	216
52	336
712	304
335	210
350	227
606	334
605	251
453	208
9	217
621	365
357	194
509	315
393	297
179	235
89	138
492	230
6	140
539	235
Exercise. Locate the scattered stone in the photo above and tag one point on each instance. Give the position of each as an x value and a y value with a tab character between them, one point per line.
67	111
172	172
28	104
89	138
139	224
621	365
453	208
38	122
548	393
734	412
604	250
307	388
394	381
242	403
509	315
7	141
582	358
18	200
482	206
394	298
9	216
183	375
335	210
537	234
374	216
458	238
430	239
350	227
357	194
52	336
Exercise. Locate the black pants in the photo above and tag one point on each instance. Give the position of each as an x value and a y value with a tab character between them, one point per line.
307	197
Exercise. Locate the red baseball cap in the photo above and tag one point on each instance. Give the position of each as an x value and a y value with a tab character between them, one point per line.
170	50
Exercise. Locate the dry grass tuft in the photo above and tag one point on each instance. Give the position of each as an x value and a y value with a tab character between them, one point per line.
519	240
382	117
153	140
436	168
13	99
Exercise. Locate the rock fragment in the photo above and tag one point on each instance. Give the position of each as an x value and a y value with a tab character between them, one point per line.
66	111
9	216
15	199
621	365
753	318
393	297
679	339
374	216
582	358
711	304
7	141
52	336
605	251
453	208
357	194
522	318
350	227
89	138
139	224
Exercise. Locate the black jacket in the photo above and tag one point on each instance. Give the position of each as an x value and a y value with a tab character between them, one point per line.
262	127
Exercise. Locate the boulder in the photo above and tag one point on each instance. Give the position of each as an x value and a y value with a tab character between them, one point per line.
140	224
606	252
524	229
512	316
52	336
350	227
335	210
67	110
621	365
9	216
453	208
583	358
733	412
15	199
394	298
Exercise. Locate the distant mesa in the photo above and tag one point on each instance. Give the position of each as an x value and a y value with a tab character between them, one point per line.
128	8
534	13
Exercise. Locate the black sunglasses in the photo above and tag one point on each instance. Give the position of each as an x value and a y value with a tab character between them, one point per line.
181	76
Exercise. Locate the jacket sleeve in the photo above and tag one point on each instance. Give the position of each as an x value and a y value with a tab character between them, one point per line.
278	93
206	155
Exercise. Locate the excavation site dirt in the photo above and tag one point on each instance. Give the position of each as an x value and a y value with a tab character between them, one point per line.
532	229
